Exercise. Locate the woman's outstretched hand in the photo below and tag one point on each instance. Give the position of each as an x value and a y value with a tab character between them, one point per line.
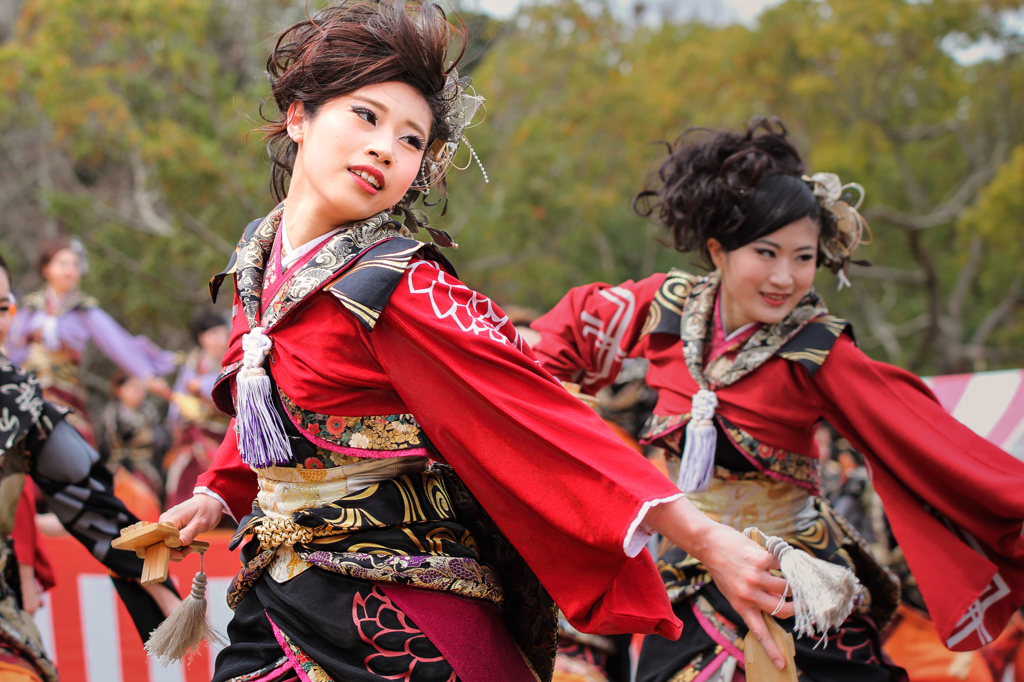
738	565
195	515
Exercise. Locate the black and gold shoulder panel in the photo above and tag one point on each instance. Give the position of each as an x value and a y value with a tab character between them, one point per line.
218	279
811	345
365	287
666	312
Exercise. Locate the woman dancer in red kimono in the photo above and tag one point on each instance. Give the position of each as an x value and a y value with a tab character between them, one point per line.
423	489
746	361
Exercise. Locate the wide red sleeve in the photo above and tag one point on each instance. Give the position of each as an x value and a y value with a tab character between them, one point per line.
229	478
954	500
585	338
561	486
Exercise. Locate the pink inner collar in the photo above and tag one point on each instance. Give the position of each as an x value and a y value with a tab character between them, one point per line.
727	344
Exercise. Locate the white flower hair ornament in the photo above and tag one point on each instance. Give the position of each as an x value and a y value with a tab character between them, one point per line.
462	105
843	202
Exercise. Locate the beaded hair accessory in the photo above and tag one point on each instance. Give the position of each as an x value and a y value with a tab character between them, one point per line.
462	106
838	199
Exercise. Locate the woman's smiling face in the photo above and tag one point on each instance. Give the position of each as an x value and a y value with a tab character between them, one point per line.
361	151
764	280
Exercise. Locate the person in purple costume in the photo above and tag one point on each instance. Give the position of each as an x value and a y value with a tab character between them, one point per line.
54	325
197	425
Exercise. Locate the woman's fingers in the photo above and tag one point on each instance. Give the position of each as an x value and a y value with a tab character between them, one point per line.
196	515
755	622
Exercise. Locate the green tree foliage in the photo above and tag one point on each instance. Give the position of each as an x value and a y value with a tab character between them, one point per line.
127	123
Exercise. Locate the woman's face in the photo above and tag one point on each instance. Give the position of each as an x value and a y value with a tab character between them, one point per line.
63	271
215	340
764	280
362	151
131	393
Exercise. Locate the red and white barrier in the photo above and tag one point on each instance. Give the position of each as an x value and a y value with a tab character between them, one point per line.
989	403
89	634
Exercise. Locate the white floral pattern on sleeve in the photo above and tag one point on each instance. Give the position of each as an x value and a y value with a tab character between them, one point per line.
452	300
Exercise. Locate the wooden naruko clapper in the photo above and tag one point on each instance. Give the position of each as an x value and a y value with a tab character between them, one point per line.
152	542
759	668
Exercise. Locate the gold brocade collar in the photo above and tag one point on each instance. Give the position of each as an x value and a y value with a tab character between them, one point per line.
695	329
253	254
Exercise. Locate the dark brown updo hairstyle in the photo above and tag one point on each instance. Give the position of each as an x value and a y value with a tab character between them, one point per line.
734	187
348	46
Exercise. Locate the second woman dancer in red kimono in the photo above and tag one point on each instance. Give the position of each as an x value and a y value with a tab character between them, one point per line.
423	488
746	361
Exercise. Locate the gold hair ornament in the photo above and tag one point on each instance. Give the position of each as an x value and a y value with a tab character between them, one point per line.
837	199
462	105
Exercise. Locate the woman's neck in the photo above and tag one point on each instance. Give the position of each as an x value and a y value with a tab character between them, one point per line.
308	215
304	218
55	293
733	315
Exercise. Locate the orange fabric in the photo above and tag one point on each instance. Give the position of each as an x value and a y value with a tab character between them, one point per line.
915	645
1007	649
624	436
10	672
136	495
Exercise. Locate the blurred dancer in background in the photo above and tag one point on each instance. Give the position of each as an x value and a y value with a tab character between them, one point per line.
133	438
54	324
197	425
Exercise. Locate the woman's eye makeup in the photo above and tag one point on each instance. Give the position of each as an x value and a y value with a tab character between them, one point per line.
415	141
366	114
768	253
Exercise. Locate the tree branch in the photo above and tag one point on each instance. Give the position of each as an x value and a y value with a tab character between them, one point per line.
1014	298
886	273
883	332
945	212
964	280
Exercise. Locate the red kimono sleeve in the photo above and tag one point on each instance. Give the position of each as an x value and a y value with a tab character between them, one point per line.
954	500
28	541
562	487
585	338
229	478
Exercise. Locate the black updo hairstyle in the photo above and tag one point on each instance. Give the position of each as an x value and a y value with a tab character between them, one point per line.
734	187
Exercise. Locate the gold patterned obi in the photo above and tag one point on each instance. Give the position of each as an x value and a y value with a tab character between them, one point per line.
754	499
387	520
283	491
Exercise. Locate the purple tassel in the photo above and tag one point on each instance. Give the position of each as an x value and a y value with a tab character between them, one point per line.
697	465
261	436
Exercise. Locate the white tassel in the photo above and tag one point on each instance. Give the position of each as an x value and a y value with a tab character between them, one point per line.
823	593
183	631
261	436
697	466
